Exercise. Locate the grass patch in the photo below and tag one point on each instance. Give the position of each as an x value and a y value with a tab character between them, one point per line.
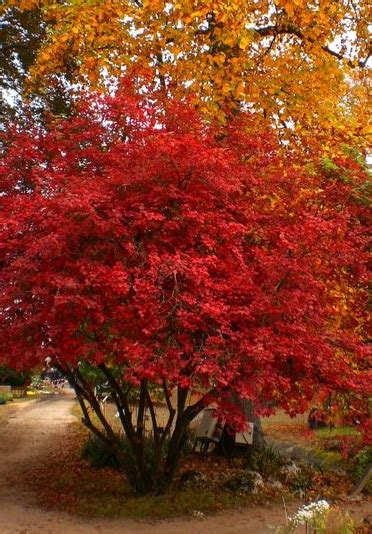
325	433
173	504
329	459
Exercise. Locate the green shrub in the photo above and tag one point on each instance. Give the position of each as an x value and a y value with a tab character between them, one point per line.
361	461
189	442
302	481
36	381
319	518
241	483
266	461
5	397
98	455
12	378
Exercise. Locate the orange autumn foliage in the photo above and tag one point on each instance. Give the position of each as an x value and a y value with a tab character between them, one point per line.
299	65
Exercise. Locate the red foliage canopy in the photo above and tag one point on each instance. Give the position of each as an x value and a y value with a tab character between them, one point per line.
137	235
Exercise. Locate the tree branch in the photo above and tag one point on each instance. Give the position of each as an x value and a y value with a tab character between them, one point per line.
141	408
291	29
153	415
167	396
172	412
81	386
127	420
86	420
194	409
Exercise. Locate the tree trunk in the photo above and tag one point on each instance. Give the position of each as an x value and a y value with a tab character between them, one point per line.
148	462
259	442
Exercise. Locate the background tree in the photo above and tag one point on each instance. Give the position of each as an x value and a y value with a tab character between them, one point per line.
173	254
11	378
21	36
297	64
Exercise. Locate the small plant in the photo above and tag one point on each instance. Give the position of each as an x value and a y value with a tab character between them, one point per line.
312	515
266	461
345	445
361	461
5	397
36	382
97	455
302	481
189	442
319	518
241	483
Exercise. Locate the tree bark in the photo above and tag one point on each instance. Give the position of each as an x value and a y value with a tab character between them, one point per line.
259	442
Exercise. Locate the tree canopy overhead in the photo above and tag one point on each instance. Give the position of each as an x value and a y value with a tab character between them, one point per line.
171	253
21	36
298	64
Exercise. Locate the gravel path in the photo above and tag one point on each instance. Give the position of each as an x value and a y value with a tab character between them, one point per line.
32	430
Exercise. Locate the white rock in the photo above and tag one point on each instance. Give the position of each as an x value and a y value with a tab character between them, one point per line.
257	481
276	484
290	470
197	513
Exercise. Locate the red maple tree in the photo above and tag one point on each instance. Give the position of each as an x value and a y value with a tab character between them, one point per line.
173	255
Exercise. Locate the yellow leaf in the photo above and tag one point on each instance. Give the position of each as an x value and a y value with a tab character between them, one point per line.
245	41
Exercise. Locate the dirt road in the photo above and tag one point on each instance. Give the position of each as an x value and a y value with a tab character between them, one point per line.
32	431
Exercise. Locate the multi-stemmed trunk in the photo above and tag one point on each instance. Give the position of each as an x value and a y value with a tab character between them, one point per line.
149	461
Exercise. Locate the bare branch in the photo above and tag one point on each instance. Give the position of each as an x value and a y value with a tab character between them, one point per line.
83	388
86	420
291	29
167	396
153	415
141	408
127	421
194	409
172	412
